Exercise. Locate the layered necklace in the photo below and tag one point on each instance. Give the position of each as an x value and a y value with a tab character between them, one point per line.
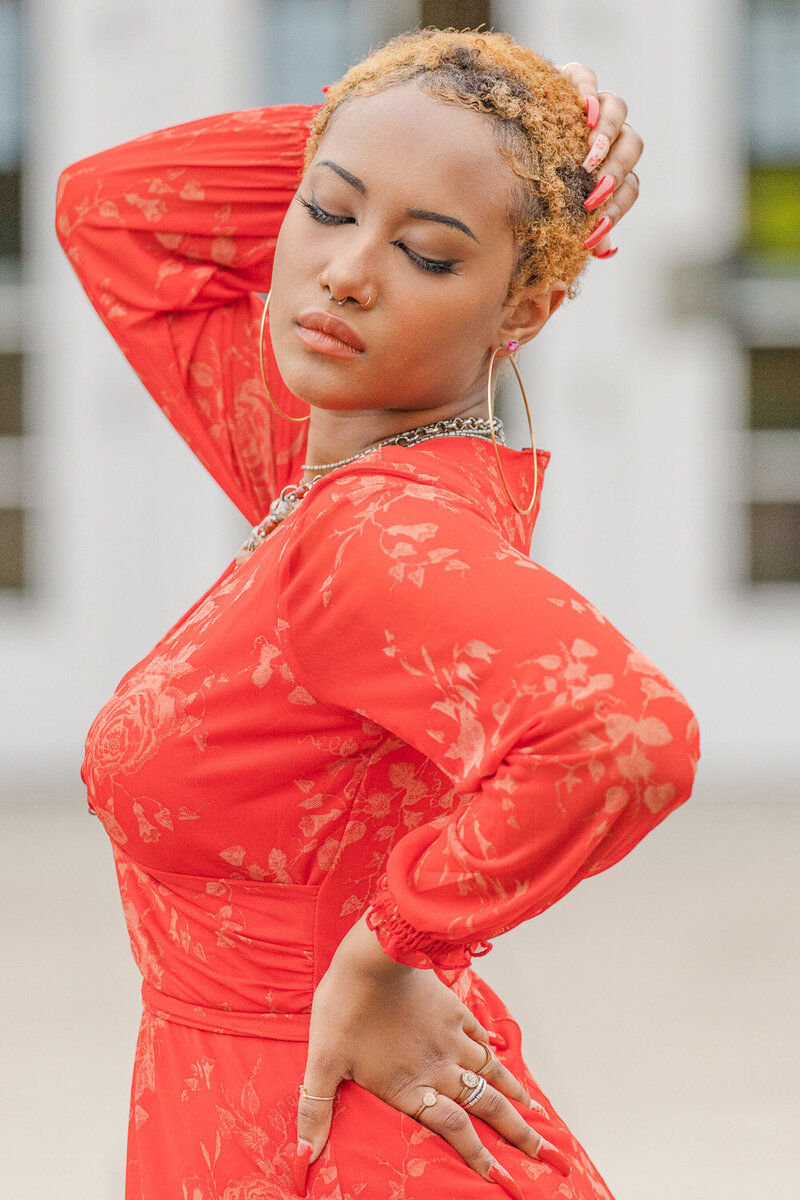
290	497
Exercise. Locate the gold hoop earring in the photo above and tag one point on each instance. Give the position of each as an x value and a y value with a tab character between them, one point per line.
261	364
522	511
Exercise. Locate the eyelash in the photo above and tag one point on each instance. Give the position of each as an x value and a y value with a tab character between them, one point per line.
435	265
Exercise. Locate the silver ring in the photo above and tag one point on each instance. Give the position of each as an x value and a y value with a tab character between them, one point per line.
475	1094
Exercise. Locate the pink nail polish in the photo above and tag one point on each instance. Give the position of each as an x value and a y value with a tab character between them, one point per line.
500	1175
300	1164
608	253
592	111
554	1158
597	153
598	233
600	194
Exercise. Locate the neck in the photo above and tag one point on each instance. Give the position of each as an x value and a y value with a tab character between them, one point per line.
334	435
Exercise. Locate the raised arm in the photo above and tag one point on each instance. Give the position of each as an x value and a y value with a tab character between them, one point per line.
172	235
570	743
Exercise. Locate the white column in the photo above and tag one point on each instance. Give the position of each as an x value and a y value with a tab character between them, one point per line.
130	529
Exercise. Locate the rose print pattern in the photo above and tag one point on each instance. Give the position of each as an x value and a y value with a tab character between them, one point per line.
387	707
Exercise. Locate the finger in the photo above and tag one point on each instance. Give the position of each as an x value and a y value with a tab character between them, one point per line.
608	216
314	1116
605	249
613	111
582	76
503	1080
495	1110
585	80
616	172
452	1124
626	152
473	1028
621	200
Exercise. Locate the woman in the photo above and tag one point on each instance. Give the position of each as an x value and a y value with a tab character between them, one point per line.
384	734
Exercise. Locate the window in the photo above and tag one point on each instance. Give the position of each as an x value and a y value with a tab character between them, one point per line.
308	43
13	518
446	13
771	50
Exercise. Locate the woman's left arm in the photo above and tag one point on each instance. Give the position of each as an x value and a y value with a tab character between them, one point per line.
569	744
404	603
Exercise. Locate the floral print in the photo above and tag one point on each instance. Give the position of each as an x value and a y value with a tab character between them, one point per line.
386	707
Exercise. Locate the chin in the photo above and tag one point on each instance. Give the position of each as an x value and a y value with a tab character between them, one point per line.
320	381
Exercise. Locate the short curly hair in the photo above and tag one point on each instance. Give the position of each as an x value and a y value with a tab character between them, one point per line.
541	125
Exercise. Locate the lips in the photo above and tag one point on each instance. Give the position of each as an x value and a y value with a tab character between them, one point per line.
335	327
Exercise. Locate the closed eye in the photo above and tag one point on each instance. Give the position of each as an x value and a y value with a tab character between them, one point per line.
436	265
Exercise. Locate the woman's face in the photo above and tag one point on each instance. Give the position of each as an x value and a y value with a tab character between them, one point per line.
404	208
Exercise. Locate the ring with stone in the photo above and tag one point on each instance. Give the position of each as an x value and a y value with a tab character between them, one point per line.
475	1094
429	1098
470	1081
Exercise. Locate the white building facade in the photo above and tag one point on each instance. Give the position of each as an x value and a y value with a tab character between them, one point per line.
644	389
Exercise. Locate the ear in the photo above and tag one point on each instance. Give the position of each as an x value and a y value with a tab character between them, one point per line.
529	310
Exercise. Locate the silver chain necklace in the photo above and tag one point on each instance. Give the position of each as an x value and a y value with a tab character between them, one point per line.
454	427
292	494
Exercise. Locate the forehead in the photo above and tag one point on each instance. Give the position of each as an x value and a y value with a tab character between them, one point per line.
409	144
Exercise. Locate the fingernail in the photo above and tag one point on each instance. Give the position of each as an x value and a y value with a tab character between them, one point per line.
603	190
592	111
597	153
608	253
498	1040
554	1158
540	1108
302	1157
500	1175
598	233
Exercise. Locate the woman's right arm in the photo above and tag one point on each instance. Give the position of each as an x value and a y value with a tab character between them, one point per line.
172	235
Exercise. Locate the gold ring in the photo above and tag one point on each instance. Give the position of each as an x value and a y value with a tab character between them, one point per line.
491	1058
308	1095
470	1081
428	1100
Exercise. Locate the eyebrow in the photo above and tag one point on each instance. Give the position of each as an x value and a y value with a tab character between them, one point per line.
417	214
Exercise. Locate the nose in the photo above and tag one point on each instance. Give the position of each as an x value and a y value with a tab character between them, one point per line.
349	277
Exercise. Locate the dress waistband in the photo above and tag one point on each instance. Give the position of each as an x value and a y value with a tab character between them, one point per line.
284	1027
222	954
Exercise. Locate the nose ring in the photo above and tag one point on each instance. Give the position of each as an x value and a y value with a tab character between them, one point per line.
346	298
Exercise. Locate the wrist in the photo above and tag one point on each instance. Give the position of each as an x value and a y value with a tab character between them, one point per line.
363	951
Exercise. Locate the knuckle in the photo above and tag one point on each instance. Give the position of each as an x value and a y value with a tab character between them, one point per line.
494	1103
530	1141
310	1112
454	1120
481	1159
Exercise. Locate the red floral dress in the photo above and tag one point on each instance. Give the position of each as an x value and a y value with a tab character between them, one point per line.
386	706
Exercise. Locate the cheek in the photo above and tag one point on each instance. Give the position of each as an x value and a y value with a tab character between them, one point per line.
291	253
446	334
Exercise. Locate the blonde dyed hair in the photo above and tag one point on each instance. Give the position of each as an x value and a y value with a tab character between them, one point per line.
541	128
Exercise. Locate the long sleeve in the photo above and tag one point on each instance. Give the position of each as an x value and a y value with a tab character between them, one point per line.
172	235
405	604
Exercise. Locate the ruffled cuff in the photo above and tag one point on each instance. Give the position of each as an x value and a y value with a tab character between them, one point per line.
414	947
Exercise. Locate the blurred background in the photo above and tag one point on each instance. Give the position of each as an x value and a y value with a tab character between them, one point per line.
658	1002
